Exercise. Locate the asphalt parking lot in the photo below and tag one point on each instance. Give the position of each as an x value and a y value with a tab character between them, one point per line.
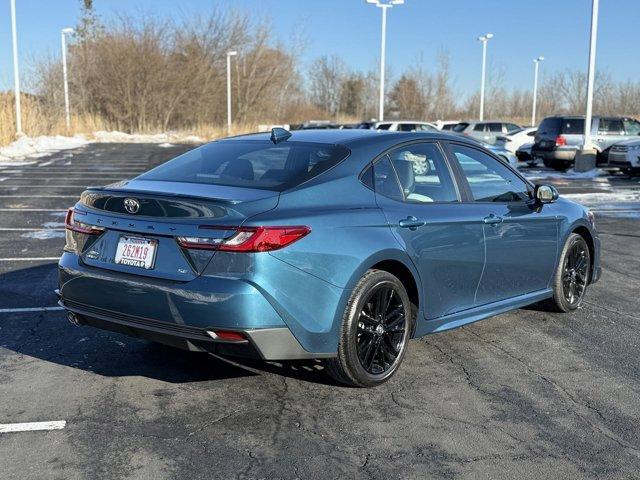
526	394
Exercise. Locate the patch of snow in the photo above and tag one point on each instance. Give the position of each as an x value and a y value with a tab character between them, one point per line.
44	234
38	147
18	152
570	174
53	224
599	198
160	138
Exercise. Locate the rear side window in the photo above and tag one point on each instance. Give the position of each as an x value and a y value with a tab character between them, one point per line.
250	164
423	174
611	126
385	180
572	126
407	127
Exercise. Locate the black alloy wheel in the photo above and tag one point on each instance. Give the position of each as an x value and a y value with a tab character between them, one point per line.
381	328
575	273
377	324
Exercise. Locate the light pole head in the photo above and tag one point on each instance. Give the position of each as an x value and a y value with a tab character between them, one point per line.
385	3
489	36
67	31
232	53
539	59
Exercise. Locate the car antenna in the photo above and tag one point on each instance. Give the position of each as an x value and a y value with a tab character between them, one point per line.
279	134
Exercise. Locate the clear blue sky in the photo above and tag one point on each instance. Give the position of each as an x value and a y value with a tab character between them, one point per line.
557	29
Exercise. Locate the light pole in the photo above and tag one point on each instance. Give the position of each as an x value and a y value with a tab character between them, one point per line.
229	55
383	44
16	74
536	63
591	75
63	32
484	39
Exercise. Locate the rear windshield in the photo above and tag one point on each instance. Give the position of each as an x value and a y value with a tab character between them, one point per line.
250	164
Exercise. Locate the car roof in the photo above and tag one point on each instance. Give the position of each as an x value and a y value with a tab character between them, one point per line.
351	136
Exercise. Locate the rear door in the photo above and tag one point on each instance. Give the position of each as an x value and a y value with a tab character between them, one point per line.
610	131
521	242
415	189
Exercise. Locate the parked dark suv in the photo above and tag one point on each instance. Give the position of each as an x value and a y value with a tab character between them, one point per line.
560	137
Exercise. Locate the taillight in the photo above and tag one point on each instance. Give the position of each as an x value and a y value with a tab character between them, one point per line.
560	141
70	223
247	239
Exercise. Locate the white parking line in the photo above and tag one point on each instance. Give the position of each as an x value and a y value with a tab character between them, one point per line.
46	163
38	196
32	426
10	229
27	259
15	187
30	309
17	209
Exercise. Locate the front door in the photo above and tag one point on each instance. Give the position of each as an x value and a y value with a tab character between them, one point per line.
415	189
521	242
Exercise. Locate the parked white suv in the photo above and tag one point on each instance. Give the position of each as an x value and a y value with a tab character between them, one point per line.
626	156
405	126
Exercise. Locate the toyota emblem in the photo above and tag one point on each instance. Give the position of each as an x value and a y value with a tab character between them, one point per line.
131	205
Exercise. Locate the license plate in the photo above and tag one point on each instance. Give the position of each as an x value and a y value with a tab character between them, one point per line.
136	252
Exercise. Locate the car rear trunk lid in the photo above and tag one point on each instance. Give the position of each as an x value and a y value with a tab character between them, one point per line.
165	211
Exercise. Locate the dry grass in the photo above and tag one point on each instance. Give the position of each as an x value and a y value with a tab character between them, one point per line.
37	121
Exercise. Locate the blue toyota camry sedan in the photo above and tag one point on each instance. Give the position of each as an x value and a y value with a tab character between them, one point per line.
339	245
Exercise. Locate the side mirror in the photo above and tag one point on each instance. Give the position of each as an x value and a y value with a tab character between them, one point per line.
546	194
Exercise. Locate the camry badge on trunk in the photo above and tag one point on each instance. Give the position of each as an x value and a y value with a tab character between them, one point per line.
131	205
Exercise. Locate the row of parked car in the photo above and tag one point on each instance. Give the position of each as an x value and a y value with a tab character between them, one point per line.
555	141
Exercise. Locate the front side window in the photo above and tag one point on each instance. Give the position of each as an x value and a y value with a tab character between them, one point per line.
423	174
512	127
489	180
383	126
495	127
479	127
460	127
407	127
250	164
631	127
611	126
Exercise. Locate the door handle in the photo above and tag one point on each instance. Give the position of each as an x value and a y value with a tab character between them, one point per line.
492	219
411	222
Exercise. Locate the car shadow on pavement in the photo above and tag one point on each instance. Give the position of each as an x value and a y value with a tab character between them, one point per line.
49	336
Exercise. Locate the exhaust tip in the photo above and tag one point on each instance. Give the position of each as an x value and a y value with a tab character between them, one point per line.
73	318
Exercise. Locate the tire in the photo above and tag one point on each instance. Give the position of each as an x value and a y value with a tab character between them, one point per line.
370	351
574	270
560	165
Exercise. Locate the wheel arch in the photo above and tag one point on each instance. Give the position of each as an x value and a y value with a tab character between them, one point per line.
399	264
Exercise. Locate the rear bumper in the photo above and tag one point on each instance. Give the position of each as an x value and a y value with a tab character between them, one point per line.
563	154
275	309
263	343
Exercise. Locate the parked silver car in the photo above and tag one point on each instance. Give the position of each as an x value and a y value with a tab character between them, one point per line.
560	137
486	131
626	156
